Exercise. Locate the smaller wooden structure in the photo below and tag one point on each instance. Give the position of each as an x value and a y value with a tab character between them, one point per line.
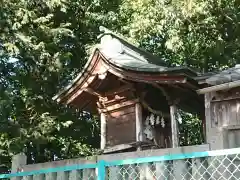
222	108
135	93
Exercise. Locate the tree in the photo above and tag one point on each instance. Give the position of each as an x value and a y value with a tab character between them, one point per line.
197	33
43	45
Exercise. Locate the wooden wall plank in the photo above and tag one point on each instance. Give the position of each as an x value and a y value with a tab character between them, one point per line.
103	130
139	123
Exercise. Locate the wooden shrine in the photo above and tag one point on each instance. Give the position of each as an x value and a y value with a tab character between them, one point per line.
135	94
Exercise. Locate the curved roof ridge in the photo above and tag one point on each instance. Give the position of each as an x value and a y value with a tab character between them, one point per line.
122	54
75	80
152	59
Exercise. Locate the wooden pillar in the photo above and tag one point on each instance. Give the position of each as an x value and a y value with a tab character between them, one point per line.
174	126
202	117
103	130
139	126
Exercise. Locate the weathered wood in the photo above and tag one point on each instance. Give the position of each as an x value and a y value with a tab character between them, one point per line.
119	90
225	113
154	152
174	126
238	112
75	175
51	176
232	127
146	78
139	125
118	147
208	118
122	112
229	114
119	105
76	94
39	177
27	178
103	130
225	99
62	175
117	99
233	138
222	112
219	87
121	129
93	92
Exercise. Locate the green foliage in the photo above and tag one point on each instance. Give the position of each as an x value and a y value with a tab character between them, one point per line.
197	33
191	130
43	44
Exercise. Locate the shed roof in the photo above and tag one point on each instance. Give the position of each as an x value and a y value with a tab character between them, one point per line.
226	76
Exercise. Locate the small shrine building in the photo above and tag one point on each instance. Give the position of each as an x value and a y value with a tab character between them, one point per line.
135	94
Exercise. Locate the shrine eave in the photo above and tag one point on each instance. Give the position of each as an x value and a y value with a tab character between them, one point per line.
115	56
92	73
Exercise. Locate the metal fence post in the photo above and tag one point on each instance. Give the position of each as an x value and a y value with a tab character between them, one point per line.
101	170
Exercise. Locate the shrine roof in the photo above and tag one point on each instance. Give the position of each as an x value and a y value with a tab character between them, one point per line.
124	54
225	76
121	54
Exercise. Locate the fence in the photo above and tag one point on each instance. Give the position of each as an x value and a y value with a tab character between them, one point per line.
220	164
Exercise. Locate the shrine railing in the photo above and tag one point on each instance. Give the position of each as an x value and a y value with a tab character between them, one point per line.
220	164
